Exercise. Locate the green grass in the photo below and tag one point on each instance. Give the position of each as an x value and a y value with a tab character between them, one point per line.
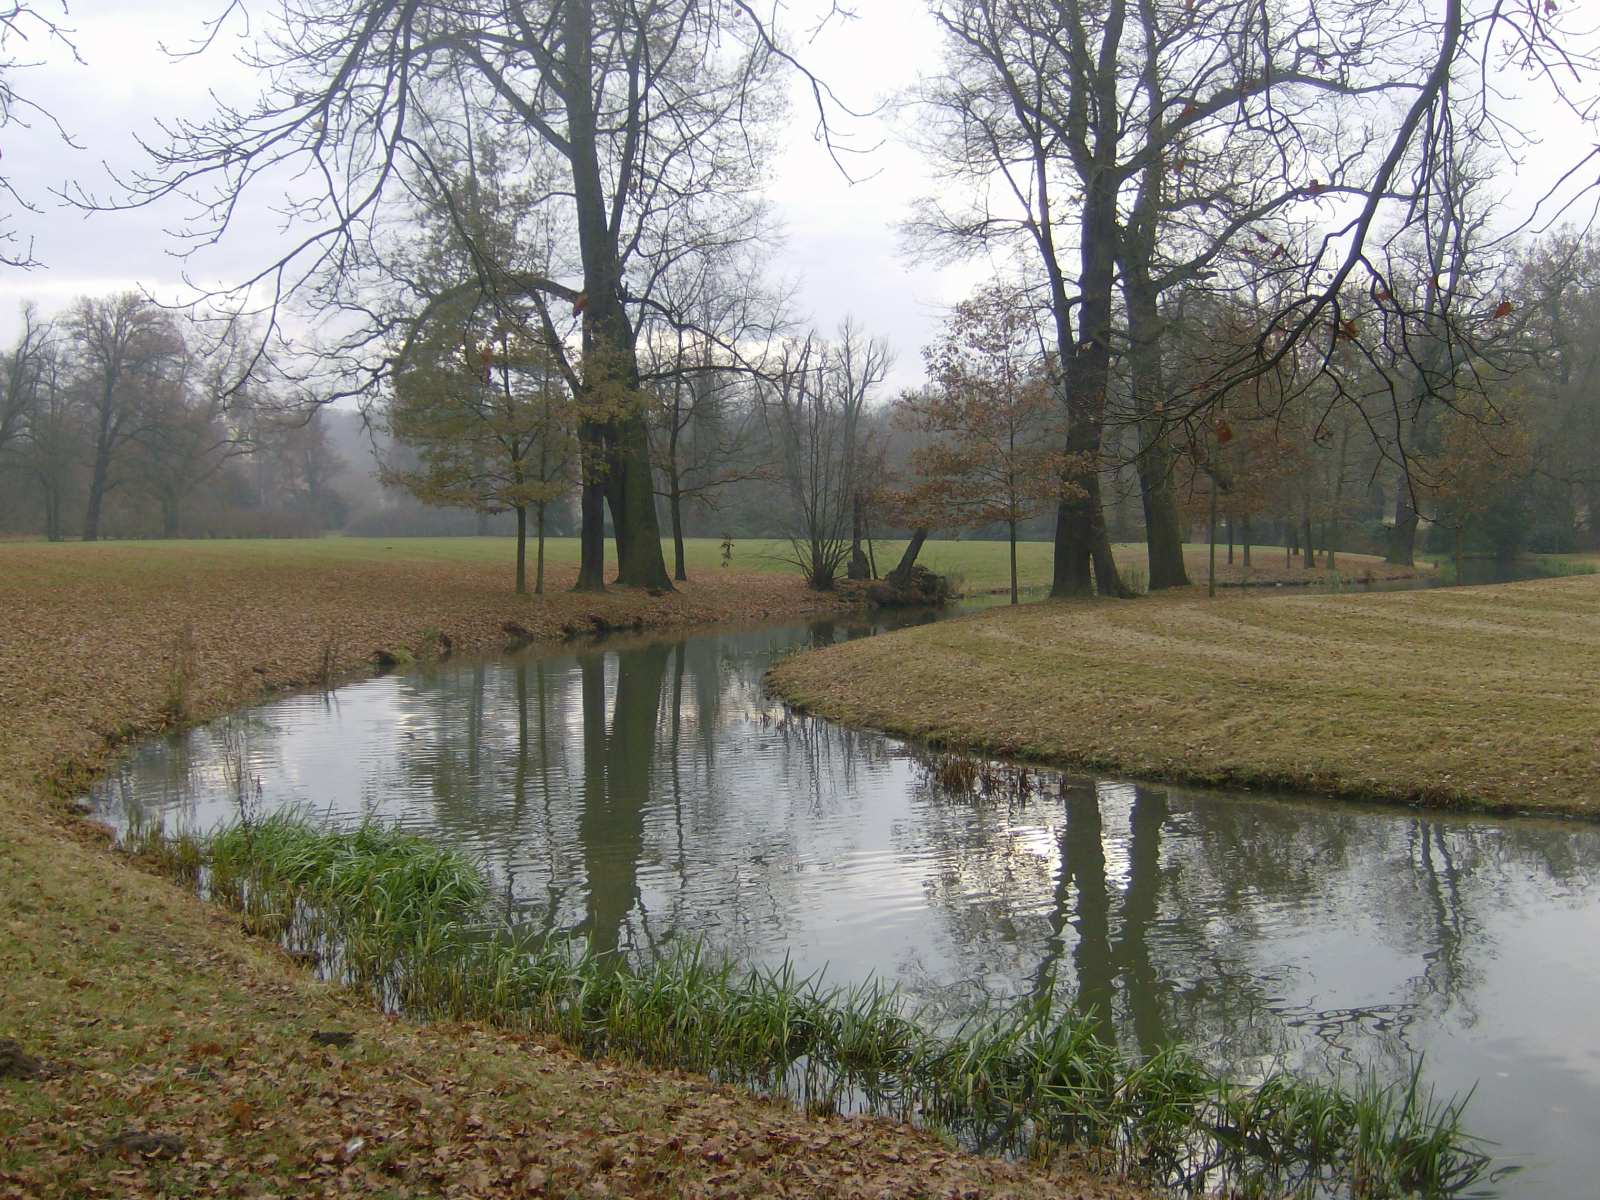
984	564
413	923
978	566
1528	566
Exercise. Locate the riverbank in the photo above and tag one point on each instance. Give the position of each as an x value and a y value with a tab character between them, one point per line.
1483	699
158	1050
108	641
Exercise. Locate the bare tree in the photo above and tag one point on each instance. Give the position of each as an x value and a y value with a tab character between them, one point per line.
1036	115
23	375
814	413
1447	69
126	351
715	325
53	450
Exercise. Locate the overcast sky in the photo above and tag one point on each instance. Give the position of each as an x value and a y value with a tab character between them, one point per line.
842	247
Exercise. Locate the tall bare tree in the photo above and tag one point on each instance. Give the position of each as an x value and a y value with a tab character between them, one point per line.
645	107
126	352
1072	125
814	412
713	327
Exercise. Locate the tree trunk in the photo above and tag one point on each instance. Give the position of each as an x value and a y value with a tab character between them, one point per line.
1336	522
679	572
859	567
1163	525
1211	543
592	515
522	549
538	576
1308	550
52	515
610	361
1403	537
1082	549
1244	532
902	573
632	496
1012	526
97	494
1230	541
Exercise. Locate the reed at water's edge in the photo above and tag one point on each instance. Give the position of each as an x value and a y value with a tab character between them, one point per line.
415	924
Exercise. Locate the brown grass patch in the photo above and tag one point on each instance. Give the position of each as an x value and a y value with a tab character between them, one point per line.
155	1014
1485	698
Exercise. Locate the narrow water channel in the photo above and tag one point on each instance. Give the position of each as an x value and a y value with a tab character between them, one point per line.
641	791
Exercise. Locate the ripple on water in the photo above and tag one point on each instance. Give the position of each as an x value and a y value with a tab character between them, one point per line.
652	794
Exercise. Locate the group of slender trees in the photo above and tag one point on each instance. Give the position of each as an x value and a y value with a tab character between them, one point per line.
117	416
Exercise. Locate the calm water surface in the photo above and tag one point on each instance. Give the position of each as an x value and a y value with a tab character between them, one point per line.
641	791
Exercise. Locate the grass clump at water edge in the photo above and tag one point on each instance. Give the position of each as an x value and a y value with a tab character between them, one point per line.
415	925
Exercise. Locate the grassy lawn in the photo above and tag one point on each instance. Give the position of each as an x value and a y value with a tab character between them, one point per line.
147	1011
1484	698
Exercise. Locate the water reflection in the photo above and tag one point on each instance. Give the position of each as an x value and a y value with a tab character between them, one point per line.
642	791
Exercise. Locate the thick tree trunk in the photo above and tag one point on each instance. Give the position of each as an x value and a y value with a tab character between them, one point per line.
902	572
97	495
1163	526
859	568
1403	537
632	496
1082	550
610	361
1083	559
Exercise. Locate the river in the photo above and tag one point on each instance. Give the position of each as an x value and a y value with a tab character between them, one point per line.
644	790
